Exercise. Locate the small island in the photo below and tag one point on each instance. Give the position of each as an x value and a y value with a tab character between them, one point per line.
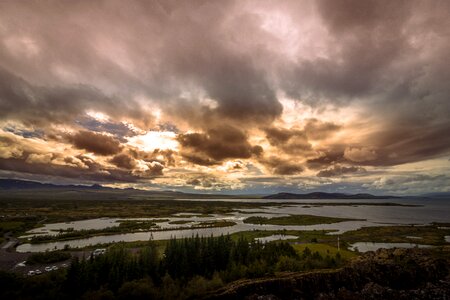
295	220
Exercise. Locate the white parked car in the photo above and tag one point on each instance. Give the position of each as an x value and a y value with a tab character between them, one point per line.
98	252
38	272
31	273
48	269
54	268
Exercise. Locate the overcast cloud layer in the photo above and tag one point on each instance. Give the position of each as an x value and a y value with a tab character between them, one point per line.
229	96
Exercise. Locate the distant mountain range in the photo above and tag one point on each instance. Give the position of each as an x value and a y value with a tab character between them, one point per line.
15	188
14	184
445	195
321	195
23	189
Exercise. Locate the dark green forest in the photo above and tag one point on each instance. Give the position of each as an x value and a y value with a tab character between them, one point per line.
188	268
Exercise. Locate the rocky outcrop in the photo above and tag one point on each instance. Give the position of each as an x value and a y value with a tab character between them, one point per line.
385	274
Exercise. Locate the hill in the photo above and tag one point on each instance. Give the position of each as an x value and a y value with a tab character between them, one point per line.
322	195
23	189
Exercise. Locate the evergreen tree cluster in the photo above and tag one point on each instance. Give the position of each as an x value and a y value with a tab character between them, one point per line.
188	268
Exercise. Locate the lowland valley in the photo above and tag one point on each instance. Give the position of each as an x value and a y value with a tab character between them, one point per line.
100	246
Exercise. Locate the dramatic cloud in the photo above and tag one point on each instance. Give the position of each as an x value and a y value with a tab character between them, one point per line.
412	184
205	94
94	172
317	130
360	154
216	145
42	105
123	161
280	166
96	143
338	170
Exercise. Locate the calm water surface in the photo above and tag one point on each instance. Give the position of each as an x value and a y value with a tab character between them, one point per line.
276	237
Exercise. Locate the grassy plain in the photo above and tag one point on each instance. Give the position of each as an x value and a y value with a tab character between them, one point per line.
433	234
324	250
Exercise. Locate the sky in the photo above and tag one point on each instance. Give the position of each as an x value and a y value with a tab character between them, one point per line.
227	96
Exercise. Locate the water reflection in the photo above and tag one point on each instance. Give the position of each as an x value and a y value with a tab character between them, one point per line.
275	237
369	246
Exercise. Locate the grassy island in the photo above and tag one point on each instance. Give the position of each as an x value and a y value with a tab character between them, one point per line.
295	220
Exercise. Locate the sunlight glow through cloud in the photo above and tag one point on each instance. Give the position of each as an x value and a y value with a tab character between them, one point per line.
152	140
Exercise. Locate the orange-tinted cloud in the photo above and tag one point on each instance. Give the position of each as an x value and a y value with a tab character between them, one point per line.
96	143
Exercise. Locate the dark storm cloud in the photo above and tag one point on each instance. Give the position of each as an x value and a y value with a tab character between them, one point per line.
318	130
367	37
95	172
43	105
280	166
281	135
123	161
400	145
154	169
338	170
326	158
389	58
154	165
291	141
216	145
157	49
390	147
96	143
295	140
376	50
168	156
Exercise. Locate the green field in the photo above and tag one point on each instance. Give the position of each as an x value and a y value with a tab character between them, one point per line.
325	250
433	234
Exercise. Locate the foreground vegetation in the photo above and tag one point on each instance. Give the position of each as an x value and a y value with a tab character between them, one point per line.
384	274
188	268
